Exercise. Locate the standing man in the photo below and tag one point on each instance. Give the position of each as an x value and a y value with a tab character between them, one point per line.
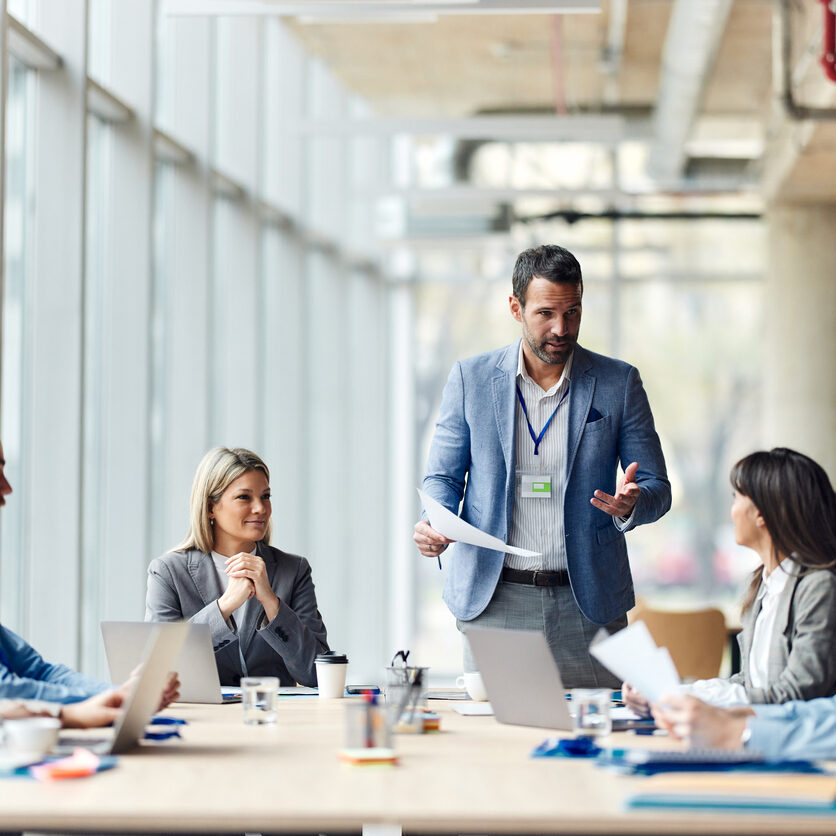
536	431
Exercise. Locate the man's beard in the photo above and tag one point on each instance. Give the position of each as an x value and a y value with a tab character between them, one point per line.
551	351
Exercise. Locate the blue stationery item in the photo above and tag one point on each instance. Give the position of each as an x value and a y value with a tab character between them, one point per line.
652	762
105	762
167	721
161	735
722	803
566	747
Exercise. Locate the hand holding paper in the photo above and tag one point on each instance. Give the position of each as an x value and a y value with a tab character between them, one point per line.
632	655
455	528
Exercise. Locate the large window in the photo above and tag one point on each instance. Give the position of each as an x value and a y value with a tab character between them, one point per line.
165	309
19	206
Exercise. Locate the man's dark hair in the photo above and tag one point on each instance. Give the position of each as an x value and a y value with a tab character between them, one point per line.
548	261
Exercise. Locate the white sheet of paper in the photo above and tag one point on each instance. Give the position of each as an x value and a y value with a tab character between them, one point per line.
632	655
455	528
473	709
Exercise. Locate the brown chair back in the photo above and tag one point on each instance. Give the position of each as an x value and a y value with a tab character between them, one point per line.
695	639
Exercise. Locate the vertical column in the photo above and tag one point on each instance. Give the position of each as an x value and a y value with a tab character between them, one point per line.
235	336
337	561
51	461
368	484
117	344
404	505
285	418
182	242
800	332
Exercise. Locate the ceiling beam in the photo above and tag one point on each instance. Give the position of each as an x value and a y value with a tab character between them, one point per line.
465	194
603	128
364	11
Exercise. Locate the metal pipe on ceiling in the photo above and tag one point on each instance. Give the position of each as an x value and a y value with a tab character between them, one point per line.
694	34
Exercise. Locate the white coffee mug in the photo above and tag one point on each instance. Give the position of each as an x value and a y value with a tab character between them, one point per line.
31	735
472	682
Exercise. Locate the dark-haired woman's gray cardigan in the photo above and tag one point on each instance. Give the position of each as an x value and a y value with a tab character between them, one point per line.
802	652
185	585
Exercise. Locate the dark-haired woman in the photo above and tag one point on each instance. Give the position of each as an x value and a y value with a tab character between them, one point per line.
785	510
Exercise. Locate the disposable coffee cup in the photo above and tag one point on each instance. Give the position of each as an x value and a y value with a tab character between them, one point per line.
330	674
31	735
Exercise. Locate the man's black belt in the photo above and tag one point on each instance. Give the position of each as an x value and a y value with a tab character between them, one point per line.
535	577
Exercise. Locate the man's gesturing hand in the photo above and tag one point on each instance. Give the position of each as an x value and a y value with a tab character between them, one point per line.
626	496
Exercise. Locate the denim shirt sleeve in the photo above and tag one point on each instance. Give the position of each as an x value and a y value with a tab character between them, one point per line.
24	674
795	731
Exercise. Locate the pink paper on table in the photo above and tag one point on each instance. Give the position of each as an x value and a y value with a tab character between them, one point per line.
80	764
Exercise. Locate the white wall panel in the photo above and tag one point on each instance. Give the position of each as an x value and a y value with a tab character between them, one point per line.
52	460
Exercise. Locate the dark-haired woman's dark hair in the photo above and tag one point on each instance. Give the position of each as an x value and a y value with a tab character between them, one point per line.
795	498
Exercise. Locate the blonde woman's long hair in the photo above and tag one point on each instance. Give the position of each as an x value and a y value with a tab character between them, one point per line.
217	470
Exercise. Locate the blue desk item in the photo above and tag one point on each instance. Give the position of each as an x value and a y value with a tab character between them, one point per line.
726	804
167	721
652	762
566	747
105	762
161	735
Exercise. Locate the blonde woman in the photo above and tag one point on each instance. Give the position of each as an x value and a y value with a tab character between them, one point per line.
258	601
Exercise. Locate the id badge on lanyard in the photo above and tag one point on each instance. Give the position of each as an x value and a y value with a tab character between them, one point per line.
535	485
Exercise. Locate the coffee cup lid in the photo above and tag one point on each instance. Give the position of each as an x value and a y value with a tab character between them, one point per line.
332	658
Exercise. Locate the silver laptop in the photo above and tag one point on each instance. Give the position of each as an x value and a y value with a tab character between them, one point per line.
521	677
125	642
163	644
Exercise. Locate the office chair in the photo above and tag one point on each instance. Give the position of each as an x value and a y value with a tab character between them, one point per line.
695	638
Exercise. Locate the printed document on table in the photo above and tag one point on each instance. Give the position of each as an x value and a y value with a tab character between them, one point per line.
455	528
632	655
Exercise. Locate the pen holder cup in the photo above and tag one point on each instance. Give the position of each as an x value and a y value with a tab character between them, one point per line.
406	698
365	726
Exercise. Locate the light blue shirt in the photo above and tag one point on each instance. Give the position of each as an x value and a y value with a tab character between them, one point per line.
24	675
796	730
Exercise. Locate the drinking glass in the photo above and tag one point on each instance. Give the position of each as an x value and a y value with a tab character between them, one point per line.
259	696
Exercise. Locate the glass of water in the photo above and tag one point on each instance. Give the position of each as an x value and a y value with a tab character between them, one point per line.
591	712
258	696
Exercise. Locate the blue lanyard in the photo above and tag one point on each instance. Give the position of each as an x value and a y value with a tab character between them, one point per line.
538	438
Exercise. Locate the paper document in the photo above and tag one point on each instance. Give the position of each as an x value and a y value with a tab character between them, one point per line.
474	709
632	655
455	528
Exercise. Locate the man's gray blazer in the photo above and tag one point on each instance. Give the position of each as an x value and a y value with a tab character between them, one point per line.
609	422
185	585
802	653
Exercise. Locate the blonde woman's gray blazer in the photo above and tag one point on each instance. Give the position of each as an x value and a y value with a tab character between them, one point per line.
802	653
185	585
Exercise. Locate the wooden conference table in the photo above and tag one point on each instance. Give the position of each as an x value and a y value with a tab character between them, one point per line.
475	776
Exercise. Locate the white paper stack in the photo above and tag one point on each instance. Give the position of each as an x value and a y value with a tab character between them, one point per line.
632	655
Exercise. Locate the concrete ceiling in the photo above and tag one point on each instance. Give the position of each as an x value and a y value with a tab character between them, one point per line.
547	64
467	65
